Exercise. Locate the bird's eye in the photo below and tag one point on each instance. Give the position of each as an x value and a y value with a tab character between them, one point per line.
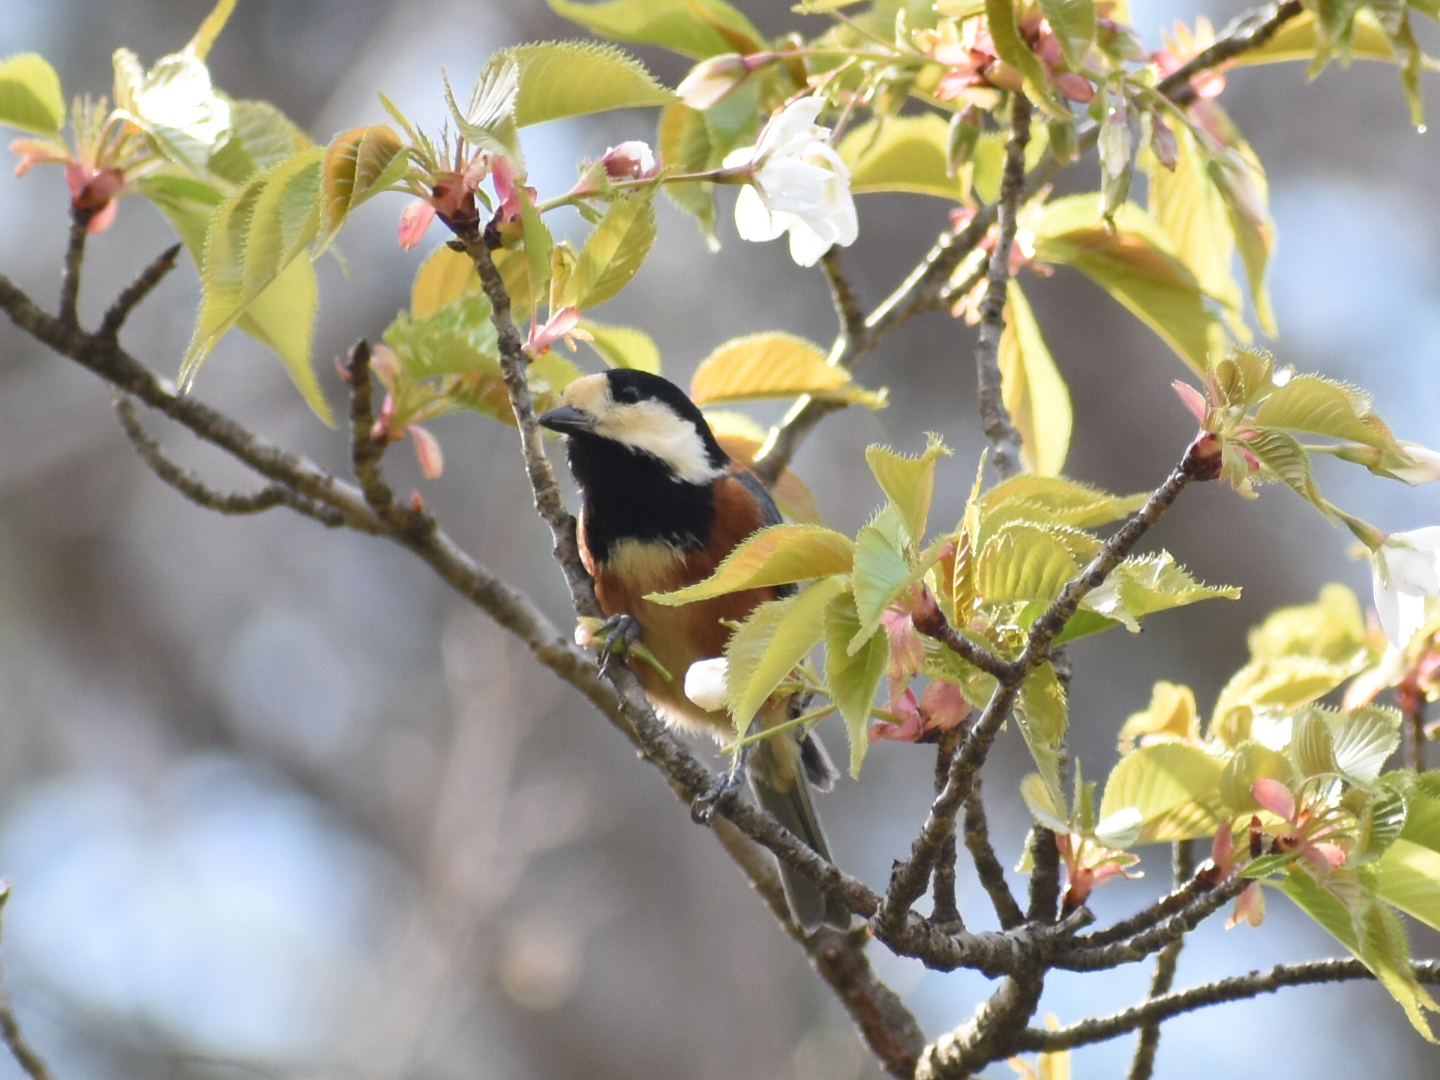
627	394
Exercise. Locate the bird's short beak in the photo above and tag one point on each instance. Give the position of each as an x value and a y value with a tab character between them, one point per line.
567	419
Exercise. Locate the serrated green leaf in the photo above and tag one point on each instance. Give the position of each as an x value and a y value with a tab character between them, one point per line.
613	252
1038	798
1000	17
1073	23
1174	786
1364	739
1244	375
1170	714
694	28
1321	406
1240	179
1300	39
1408	876
908	482
1282	458
1042	714
1023	561
575	78
1422	821
905	153
1373	935
778	555
774	365
30	94
539	246
1056	500
209	29
1311	745
767	646
1147	584
359	164
1281	683
260	136
1134	265
254	238
880	573
488	121
1033	389
1383	820
623	346
187	204
853	679
684	144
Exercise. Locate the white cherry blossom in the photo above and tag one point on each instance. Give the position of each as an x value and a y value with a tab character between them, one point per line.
1405	571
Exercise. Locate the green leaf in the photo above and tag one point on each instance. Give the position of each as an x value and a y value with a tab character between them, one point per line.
1035	790
1311	745
1332	629
186	203
1042	714
778	555
905	153
1147	584
1250	762
1299	39
1240	179
767	646
1383	820
1000	17
685	145
1186	204
853	679
1033	389
1282	458
488	121
623	346
1364	739
1373	934
774	365
1245	376
539	246
359	164
880	573
574	78
694	28
444	277
1073	22
1280	683
1134	265
1056	500
1321	406
1174	786
253	238
1409	878
909	483
1422	821
1024	561
209	29
613	252
30	95
260	136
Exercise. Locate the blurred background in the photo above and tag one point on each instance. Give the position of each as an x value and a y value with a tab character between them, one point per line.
274	801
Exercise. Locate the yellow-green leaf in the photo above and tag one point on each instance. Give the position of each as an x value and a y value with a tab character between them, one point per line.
209	29
1331	629
1005	31
282	318
909	483
359	164
906	153
1042	714
1320	406
613	252
1033	390
774	365
1024	561
1171	713
880	573
1409	878
1298	40
1134	265
444	277
853	679
779	555
1073	23
768	645
1174	786
694	28
1054	499
1147	584
30	95
623	346
573	78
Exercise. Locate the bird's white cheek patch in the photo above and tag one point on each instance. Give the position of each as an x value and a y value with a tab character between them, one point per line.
654	428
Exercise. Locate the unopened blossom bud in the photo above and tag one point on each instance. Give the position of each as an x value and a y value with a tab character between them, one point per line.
632	160
705	683
1425	469
712	80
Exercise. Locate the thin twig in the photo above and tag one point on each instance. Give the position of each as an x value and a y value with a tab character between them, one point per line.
1170	904
366	451
1080	957
945	912
136	291
1249	30
20	1049
74	259
1237	988
842	295
1142	1065
987	866
994	416
198	492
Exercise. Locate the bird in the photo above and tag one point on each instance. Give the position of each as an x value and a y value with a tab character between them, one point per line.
661	506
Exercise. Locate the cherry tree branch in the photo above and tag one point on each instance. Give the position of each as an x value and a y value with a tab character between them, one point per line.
1248	30
1142	1065
20	1049
137	291
74	260
987	865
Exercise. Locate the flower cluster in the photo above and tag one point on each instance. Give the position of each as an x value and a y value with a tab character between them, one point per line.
974	68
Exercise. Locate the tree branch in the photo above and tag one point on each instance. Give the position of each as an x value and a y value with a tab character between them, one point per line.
987	866
945	912
994	417
1142	1066
1237	988
1247	31
987	1036
1081	956
1044	875
74	260
137	291
20	1049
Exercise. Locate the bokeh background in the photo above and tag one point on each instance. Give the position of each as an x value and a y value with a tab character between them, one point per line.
273	801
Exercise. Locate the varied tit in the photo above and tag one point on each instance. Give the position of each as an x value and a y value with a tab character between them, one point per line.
662	504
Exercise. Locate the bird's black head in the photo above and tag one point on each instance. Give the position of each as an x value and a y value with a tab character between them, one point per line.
646	415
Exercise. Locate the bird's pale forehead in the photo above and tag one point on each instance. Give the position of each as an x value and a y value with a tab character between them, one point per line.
590	393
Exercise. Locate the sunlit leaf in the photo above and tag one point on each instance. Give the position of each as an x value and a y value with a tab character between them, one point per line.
573	78
778	555
1033	390
768	645
908	482
1251	761
774	365
1320	406
906	153
1174	786
1147	584
880	573
1024	562
1073	23
694	28
488	120
209	29
623	346
1364	739
1054	499
1171	713
1331	629
30	95
1409	878
1000	17
260	137
359	163
613	252
444	277
1297	39
1042	713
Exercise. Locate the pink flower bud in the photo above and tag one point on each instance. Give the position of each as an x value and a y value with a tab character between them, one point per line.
632	160
427	452
414	220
